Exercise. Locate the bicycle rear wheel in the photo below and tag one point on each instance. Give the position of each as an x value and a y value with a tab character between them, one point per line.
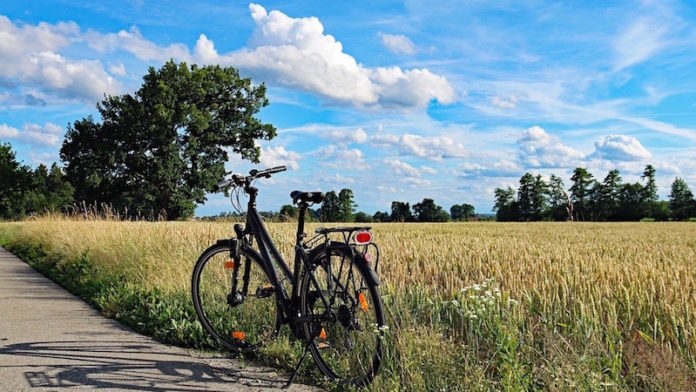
240	323
347	346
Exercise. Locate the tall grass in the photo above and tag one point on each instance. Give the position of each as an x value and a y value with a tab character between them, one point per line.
471	306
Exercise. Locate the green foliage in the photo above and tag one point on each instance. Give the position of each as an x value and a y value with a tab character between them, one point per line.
15	182
428	211
163	147
363	217
330	210
506	208
464	211
580	190
381	216
50	191
346	205
401	212
681	200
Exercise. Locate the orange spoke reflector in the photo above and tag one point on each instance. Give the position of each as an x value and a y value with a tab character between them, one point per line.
229	264
322	334
363	302
239	335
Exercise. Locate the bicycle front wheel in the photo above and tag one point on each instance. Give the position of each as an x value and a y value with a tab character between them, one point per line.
347	344
240	321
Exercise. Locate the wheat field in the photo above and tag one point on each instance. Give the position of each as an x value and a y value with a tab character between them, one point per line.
470	306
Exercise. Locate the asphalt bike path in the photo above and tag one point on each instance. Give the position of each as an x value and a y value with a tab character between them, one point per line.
51	340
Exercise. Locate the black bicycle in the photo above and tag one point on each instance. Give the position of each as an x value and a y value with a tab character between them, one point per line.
330	299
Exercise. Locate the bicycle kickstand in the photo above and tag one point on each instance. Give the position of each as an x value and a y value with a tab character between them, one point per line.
297	368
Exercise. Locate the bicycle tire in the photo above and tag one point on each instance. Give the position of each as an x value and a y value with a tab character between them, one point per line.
337	367
242	328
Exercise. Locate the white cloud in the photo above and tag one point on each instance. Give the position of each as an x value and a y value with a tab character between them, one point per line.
503	168
50	134
509	102
279	156
340	157
29	55
119	69
638	42
433	147
398	43
428	170
539	149
295	52
401	167
133	42
345	135
620	148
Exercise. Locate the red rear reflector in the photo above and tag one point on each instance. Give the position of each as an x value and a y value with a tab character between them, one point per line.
363	237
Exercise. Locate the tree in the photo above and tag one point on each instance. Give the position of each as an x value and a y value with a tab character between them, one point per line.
400	212
557	199
428	211
288	211
49	190
681	200
629	203
579	191
381	216
525	194
506	208
649	197
462	212
539	204
15	181
162	148
609	195
363	217
347	206
330	210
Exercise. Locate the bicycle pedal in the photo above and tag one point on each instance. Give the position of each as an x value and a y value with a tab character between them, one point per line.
264	291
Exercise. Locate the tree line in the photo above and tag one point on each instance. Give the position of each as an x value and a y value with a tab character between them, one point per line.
537	199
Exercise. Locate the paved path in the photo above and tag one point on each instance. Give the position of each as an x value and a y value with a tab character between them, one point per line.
51	340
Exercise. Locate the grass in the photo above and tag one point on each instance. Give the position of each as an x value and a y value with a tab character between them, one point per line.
471	306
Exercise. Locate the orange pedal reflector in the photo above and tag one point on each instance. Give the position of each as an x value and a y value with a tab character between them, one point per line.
239	335
229	264
363	302
322	334
322	345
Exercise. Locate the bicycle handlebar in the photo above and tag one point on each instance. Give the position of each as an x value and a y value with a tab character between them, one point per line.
241	180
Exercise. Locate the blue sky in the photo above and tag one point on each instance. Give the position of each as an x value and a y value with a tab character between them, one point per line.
396	100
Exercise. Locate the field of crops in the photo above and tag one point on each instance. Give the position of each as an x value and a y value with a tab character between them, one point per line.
471	306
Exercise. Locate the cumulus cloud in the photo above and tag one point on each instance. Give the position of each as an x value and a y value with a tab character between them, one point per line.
133	42
397	43
296	52
432	147
49	135
539	149
345	135
620	148
340	157
401	167
279	156
30	55
504	168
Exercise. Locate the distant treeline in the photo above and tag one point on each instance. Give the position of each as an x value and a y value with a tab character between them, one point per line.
340	207
590	200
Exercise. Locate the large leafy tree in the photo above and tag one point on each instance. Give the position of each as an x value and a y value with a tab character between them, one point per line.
400	212
557	198
428	211
609	195
15	181
681	200
330	210
463	211
163	147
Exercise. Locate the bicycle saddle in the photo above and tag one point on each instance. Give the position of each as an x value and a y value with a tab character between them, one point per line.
306	197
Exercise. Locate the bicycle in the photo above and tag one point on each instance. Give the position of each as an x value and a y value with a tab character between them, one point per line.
330	299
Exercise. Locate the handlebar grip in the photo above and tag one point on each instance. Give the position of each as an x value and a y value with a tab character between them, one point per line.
276	169
222	184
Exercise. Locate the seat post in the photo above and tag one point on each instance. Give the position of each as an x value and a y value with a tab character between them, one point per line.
301	221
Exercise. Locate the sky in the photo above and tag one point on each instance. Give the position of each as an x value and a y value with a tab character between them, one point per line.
395	100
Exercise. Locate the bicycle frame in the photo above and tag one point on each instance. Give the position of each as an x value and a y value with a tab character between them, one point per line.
268	252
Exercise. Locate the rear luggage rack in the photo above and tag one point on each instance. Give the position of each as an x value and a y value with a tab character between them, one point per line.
347	236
